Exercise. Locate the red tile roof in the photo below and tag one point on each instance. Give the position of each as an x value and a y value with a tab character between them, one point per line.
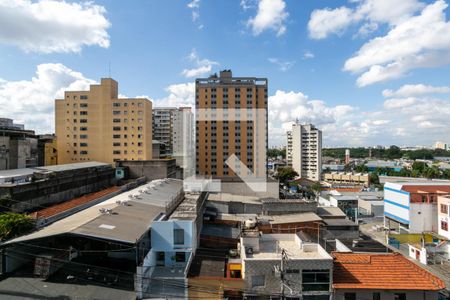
381	271
59	208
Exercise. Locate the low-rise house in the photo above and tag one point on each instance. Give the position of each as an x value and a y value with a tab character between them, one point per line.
411	207
382	277
283	264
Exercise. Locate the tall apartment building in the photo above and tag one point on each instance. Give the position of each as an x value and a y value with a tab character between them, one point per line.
289	148
162	127
97	125
307	151
183	138
231	118
174	127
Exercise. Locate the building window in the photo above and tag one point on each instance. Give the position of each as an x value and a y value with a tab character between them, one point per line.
315	280
349	296
83	128
180	256
83	152
83	113
116	136
178	236
116	104
82	121
444	225
444	208
376	296
116	144
83	144
83	97
258	280
83	105
116	120
83	136
116	128
400	296
116	112
116	152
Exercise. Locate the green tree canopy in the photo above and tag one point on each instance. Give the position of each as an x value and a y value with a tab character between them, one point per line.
285	174
12	225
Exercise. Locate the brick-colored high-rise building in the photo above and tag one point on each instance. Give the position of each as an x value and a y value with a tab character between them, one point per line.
231	118
97	125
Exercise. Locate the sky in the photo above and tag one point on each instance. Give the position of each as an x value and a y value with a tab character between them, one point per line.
365	72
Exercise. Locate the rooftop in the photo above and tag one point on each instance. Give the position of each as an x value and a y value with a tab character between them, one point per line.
124	218
270	246
59	208
381	271
330	211
292	218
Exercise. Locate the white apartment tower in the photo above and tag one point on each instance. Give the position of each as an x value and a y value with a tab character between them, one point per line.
306	151
289	149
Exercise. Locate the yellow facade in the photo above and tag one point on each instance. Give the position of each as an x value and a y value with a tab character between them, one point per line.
51	153
96	125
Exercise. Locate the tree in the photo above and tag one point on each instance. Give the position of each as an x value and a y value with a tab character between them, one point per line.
432	172
347	168
12	225
316	188
374	179
285	174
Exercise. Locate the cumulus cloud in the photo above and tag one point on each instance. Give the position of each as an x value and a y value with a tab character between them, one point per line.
271	14
413	120
32	101
202	66
408	90
182	94
420	41
326	21
282	65
49	26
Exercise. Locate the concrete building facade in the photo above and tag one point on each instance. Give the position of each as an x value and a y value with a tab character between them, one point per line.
97	125
412	207
283	264
289	148
307	151
18	147
231	120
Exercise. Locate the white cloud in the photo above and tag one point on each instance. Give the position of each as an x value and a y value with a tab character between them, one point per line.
48	26
32	101
418	42
194	5
248	4
401	121
182	94
324	22
282	65
272	15
408	90
327	21
202	66
308	54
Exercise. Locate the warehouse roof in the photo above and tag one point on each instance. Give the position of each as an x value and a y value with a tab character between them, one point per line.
123	218
381	272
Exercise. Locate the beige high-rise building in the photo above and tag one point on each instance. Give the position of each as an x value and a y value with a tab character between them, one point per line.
231	118
307	151
96	125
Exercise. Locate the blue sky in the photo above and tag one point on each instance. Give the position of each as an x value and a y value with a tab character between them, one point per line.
367	72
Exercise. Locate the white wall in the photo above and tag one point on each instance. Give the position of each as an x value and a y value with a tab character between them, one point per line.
396	203
423	218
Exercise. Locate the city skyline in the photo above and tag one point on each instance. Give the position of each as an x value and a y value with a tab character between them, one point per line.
356	94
